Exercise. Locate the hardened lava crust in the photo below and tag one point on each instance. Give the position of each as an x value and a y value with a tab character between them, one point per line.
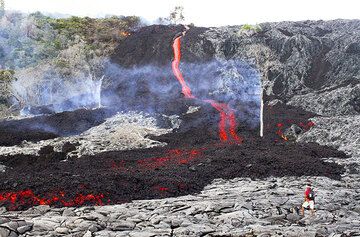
193	158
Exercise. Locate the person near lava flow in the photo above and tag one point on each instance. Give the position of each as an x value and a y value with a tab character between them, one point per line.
309	200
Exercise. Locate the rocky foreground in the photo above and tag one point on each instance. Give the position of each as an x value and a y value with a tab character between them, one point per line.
238	207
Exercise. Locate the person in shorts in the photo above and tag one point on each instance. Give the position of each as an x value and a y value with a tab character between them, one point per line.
309	200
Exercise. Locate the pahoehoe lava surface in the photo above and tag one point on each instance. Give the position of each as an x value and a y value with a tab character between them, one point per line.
193	158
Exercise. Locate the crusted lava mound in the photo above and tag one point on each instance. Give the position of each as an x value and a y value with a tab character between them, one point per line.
14	132
193	158
147	46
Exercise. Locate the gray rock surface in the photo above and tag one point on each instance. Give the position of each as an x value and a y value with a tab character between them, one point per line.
341	132
341	101
311	64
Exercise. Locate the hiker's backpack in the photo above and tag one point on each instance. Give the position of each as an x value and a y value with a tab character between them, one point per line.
311	195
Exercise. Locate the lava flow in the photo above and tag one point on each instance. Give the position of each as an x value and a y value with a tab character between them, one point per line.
175	67
227	115
280	132
27	197
172	157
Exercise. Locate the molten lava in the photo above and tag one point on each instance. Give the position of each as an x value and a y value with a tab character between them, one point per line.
125	33
175	67
304	126
27	197
280	132
172	157
227	115
307	126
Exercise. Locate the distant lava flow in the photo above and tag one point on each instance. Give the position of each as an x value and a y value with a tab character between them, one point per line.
227	115
172	157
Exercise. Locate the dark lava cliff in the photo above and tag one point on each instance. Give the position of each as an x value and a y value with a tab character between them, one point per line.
311	64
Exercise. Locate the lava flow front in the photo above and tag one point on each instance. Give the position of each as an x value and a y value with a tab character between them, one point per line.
14	200
227	115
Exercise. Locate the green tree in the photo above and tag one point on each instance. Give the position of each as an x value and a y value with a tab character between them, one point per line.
2	8
248	27
177	15
6	77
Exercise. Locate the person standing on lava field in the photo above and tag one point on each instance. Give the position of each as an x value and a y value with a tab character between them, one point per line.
309	201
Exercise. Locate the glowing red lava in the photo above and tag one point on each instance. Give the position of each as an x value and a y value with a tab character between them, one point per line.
161	188
175	67
280	132
27	197
172	157
280	126
227	115
307	126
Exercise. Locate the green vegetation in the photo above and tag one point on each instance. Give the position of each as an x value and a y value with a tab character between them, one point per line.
37	49
2	8
92	30
248	27
27	40
7	75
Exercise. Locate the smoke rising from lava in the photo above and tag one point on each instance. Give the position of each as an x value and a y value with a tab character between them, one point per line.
57	94
152	88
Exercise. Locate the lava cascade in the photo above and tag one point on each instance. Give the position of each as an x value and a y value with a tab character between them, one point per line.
227	115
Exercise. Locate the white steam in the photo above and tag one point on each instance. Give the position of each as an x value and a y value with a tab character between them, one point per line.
149	87
58	94
69	82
